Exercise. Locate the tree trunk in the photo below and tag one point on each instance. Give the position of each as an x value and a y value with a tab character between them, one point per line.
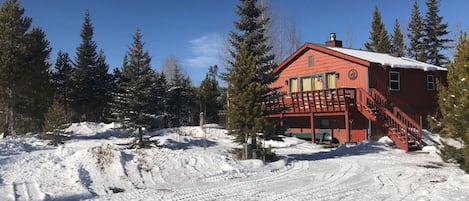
9	116
140	142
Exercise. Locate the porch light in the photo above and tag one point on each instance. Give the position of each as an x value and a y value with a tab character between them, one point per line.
337	75
286	82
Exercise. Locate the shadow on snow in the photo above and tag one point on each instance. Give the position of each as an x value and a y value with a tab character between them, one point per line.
188	143
342	151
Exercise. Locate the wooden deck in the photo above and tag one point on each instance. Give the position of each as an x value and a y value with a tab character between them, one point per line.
401	128
329	100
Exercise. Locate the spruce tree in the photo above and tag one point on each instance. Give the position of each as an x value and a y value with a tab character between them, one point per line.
133	101
453	100
62	81
180	98
159	100
434	31
398	46
84	75
416	48
246	114
24	74
379	38
251	32
209	94
34	85
55	123
101	91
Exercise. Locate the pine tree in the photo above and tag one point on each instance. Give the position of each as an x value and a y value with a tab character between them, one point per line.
101	91
55	123
62	81
398	46
133	101
379	38
180	99
86	60
209	93
24	74
252	33
34	85
159	100
454	105
434	31
416	48
246	114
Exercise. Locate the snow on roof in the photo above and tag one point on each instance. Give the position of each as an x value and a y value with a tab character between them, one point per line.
388	60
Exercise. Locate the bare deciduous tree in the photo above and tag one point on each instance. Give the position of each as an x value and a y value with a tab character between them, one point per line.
284	36
169	66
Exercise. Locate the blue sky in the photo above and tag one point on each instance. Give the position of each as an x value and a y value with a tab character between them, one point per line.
193	30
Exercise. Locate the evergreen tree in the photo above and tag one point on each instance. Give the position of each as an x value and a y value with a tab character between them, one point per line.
86	60
398	46
159	100
180	99
434	31
209	94
24	74
252	33
101	91
134	99
34	85
246	114
379	38
416	48
62	81
454	105
55	123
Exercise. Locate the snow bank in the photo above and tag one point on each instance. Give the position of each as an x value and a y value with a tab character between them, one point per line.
94	166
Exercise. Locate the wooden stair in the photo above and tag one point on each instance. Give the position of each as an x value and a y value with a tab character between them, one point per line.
404	131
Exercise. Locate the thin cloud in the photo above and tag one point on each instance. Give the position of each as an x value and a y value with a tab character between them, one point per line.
205	51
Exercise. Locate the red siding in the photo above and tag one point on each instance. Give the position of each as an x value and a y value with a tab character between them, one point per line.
413	95
323	63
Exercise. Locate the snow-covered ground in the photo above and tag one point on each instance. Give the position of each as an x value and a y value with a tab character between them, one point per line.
94	165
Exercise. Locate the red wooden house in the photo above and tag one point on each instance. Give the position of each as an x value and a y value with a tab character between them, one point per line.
353	95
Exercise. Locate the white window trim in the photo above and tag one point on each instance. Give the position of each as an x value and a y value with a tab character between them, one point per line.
394	81
432	83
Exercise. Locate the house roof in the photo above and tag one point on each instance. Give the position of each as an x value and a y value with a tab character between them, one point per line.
388	60
361	57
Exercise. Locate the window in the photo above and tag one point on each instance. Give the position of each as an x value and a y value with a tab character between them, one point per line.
310	60
394	81
293	85
331	81
306	84
430	82
318	82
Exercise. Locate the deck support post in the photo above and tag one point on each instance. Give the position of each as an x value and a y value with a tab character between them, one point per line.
347	127
313	138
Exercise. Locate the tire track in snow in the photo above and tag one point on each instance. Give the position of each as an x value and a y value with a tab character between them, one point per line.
233	189
325	188
27	191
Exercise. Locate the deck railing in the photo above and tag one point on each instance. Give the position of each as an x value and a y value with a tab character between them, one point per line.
401	128
327	100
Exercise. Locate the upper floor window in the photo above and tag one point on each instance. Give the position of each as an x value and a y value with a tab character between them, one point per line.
293	85
394	81
430	82
306	84
331	80
310	60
